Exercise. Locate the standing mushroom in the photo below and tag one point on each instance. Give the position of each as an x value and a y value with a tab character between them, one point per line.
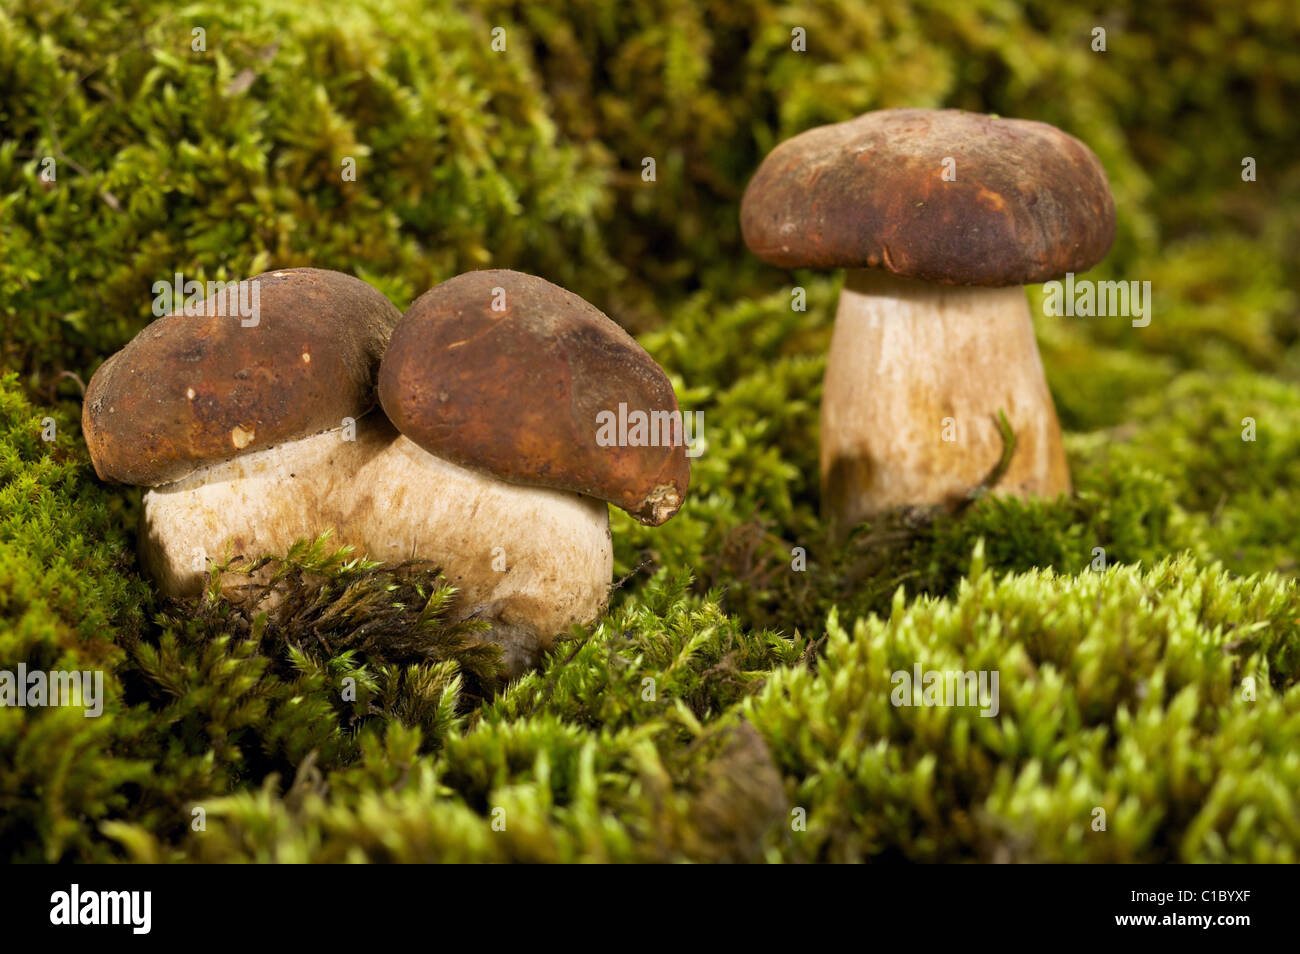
498	382
237	426
939	216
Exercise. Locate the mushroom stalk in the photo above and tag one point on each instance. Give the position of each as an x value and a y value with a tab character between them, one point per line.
529	560
916	376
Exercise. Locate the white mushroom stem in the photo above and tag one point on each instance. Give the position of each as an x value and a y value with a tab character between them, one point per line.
916	377
532	561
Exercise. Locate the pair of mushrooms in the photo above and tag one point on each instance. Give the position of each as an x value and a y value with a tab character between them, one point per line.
484	461
939	216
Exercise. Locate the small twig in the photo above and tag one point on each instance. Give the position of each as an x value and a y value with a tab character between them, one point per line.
618	584
75	377
549	689
109	199
576	649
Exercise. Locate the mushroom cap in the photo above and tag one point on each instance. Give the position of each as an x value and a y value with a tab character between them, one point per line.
192	390
520	392
1028	202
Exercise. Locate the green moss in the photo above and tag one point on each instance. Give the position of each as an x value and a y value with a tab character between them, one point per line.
1155	695
67	596
1125	691
1230	446
223	163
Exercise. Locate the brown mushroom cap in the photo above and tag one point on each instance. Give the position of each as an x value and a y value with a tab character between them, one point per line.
516	393
1028	202
193	390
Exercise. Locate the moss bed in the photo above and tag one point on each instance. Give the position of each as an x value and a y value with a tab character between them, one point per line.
734	703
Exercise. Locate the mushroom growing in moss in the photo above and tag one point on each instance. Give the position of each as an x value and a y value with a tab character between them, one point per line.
497	381
939	216
241	430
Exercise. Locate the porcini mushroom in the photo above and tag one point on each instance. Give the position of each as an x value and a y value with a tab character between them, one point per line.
939	216
497	381
241	427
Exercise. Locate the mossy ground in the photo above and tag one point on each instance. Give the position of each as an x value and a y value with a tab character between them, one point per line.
1147	630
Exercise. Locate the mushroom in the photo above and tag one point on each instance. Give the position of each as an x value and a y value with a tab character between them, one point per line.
498	382
939	216
227	420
